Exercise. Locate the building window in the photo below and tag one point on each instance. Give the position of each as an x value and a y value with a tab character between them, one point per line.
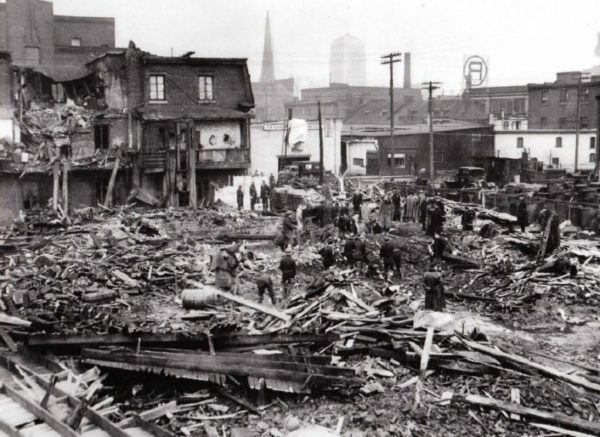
506	125
585	94
519	142
543	122
517	125
558	142
584	123
359	162
157	87
556	162
75	42
32	55
593	143
564	95
562	123
520	106
397	160
545	96
101	136
205	87
592	157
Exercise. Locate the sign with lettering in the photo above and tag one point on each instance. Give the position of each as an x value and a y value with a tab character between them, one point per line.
475	71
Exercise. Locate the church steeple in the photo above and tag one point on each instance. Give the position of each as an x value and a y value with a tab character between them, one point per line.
267	73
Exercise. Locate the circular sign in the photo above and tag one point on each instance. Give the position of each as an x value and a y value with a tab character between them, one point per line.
475	70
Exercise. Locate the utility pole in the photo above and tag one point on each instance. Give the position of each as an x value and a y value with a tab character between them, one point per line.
320	145
391	59
578	124
430	86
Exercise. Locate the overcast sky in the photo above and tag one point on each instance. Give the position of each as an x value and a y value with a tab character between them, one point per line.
524	40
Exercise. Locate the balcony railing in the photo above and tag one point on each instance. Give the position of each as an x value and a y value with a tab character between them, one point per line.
223	158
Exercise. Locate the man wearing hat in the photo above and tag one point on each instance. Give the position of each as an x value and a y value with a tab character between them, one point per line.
327	254
386	254
288	228
287	265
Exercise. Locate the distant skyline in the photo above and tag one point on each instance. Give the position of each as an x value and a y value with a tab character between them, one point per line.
524	40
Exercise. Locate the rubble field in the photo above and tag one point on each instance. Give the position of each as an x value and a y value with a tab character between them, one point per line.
101	305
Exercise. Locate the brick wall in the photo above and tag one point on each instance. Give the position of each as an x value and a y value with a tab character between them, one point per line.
92	31
181	84
554	109
22	31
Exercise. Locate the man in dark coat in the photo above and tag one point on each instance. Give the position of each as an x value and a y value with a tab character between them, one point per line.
287	265
434	290
396	200
360	253
327	255
349	251
522	214
468	216
265	193
357	200
253	196
240	197
327	214
386	253
265	283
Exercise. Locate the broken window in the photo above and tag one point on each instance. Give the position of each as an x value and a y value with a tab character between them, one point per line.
101	136
545	96
205	87
585	94
157	87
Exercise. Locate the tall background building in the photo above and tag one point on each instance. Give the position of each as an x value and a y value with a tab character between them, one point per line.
347	62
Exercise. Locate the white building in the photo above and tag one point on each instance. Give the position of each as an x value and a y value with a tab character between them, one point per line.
268	154
356	154
552	147
347	62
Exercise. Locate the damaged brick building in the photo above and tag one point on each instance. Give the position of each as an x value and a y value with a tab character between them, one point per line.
88	123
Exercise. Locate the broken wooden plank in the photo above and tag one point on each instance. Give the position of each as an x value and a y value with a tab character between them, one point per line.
552	417
10	343
245	302
426	352
515	398
125	278
355	299
5	319
560	431
41	413
573	379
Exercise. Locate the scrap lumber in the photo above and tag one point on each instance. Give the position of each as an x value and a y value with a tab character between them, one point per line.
573	379
10	343
245	302
560	431
552	417
5	319
355	299
125	278
198	367
425	354
179	340
231	236
113	178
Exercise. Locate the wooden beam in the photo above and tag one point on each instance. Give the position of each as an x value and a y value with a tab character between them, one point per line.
426	353
65	187
113	178
41	413
193	195
55	183
153	429
9	430
503	356
552	417
245	302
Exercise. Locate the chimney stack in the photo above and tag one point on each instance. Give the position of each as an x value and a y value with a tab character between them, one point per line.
407	80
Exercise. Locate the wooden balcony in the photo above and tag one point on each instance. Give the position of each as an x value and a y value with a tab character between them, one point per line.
223	158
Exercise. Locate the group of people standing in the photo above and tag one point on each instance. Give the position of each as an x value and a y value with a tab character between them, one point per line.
265	196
